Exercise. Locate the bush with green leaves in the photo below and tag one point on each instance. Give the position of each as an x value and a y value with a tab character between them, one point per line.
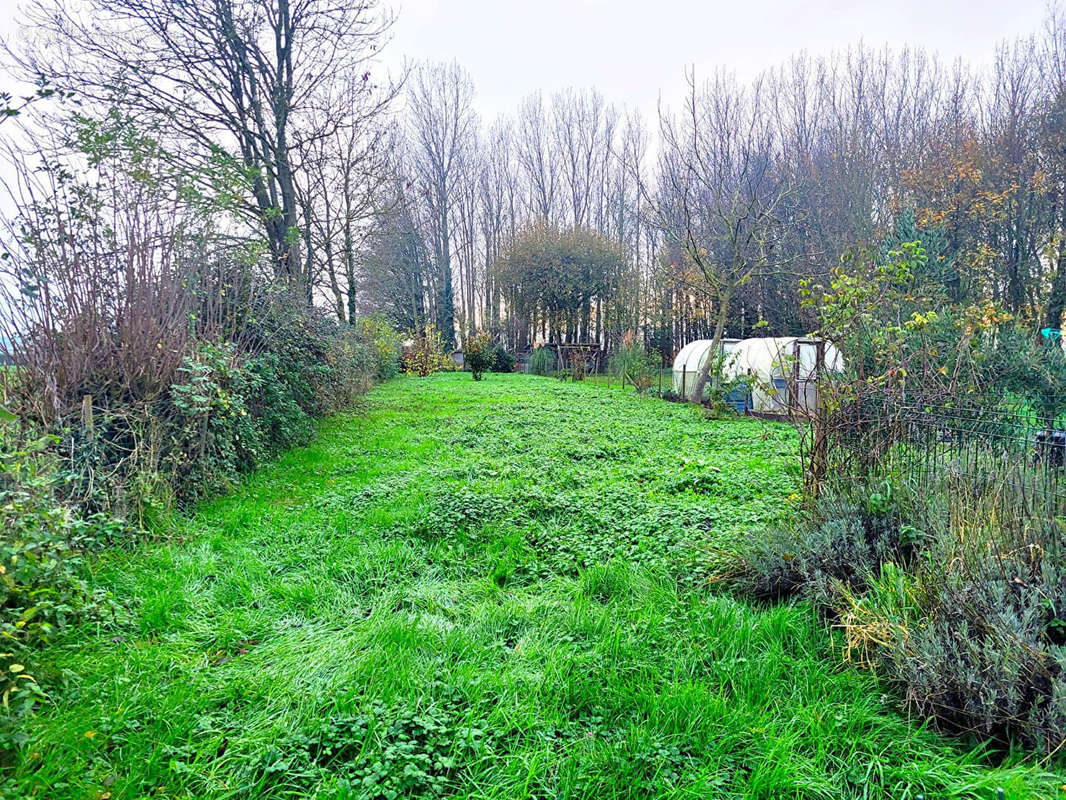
351	367
542	361
276	410
502	361
212	437
324	362
42	544
376	330
230	407
726	381
228	413
478	354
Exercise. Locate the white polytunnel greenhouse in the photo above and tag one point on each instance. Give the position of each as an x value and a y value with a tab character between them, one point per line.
690	360
771	363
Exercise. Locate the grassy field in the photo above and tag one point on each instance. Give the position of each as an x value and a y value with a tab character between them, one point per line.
496	589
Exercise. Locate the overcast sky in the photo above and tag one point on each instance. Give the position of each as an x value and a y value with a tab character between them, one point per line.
633	49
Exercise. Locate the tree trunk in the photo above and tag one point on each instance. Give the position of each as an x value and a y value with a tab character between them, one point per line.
711	361
1056	303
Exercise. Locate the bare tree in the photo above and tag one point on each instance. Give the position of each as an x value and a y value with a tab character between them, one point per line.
1052	134
395	275
109	271
583	132
443	127
344	184
718	193
499	191
536	157
251	80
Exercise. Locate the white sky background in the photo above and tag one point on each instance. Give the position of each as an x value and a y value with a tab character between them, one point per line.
633	50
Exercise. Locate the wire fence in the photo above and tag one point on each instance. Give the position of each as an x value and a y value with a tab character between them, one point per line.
1006	460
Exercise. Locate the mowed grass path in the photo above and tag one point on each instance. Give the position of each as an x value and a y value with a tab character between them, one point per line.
494	589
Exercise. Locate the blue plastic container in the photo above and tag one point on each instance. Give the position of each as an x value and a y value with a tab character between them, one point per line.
739	400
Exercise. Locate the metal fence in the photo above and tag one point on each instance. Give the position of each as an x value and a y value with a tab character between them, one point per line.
1005	460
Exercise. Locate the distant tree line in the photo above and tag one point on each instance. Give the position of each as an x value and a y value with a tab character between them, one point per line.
369	194
724	204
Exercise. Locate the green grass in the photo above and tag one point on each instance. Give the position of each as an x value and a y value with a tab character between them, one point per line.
495	589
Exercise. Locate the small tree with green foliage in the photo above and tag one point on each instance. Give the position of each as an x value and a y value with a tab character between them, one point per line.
426	354
385	341
502	361
478	354
554	277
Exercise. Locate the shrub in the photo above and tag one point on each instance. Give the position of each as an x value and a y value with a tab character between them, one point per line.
351	365
724	384
542	361
426	354
324	362
227	413
502	361
379	334
478	354
212	437
41	547
978	649
839	544
965	614
281	420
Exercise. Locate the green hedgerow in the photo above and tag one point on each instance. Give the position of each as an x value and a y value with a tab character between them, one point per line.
213	437
42	544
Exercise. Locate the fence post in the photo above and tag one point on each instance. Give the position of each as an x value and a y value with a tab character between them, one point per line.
87	416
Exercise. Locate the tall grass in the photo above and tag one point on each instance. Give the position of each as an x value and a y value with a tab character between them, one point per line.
493	590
